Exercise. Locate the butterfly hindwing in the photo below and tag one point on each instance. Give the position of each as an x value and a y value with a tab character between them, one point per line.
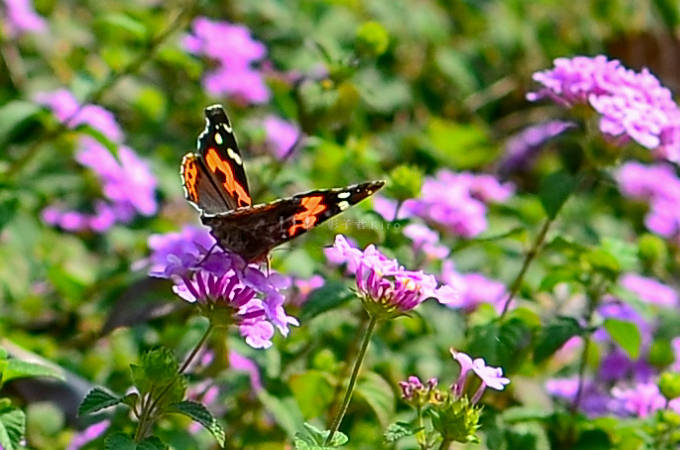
221	157
252	232
199	188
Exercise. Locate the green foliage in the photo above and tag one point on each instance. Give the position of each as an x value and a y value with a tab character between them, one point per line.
12	425
398	430
312	438
669	385
626	334
405	182
200	414
372	39
553	336
96	400
554	191
121	441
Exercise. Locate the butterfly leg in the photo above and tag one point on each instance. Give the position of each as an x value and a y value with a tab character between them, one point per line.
207	254
269	264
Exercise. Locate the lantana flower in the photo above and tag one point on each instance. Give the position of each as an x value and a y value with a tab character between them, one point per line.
632	105
385	287
490	376
221	284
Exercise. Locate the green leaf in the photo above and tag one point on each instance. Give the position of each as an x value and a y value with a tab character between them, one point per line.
12	427
312	438
119	22
378	394
96	400
502	344
553	336
15	368
9	204
13	114
313	392
200	414
284	410
554	191
398	430
121	441
330	296
626	334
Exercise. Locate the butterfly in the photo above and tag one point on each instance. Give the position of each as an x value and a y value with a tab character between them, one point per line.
214	180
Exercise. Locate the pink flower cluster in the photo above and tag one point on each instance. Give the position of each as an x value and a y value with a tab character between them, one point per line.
475	288
660	186
223	280
632	105
453	201
383	281
235	51
281	136
128	186
22	18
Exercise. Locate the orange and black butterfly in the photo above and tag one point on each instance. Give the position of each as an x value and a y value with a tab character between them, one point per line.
215	183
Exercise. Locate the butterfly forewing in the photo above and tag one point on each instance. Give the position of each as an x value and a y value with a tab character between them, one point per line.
252	232
199	188
222	161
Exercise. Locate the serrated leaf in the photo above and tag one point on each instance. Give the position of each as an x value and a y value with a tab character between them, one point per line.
12	427
378	394
200	414
554	191
398	430
119	441
329	296
13	114
16	368
553	336
626	334
312	438
96	400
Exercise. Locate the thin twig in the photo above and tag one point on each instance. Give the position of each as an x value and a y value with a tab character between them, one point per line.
528	258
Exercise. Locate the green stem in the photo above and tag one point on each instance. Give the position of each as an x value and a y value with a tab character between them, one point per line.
420	435
528	258
149	406
446	443
372	322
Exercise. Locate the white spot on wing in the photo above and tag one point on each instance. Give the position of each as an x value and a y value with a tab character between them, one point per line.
218	138
235	156
343	205
344	194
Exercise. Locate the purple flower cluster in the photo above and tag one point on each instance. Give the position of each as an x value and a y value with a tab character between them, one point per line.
632	105
475	288
414	391
622	386
128	186
490	376
235	51
68	111
523	147
660	187
22	18
425	241
383	284
281	136
222	280
650	290
455	202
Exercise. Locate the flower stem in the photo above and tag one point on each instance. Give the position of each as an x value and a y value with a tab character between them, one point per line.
148	414
528	258
446	443
372	322
420	435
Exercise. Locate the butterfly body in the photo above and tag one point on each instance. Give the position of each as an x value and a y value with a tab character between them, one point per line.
215	183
